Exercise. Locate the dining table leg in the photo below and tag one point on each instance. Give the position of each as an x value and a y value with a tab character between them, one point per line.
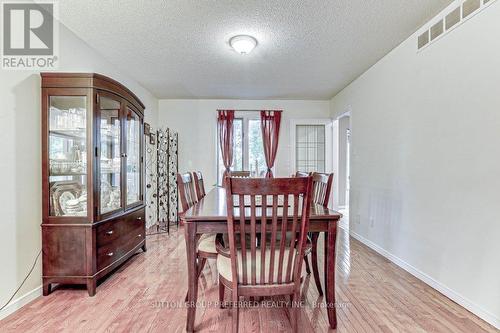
190	235
330	240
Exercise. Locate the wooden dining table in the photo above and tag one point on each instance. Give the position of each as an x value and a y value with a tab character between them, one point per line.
209	215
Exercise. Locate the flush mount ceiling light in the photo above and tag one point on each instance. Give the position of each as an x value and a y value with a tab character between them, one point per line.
243	44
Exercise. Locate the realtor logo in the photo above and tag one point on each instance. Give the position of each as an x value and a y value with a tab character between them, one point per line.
29	32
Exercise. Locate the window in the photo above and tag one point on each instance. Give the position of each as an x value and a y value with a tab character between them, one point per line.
310	148
256	159
248	149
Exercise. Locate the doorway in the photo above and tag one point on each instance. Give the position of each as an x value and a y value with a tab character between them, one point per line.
344	166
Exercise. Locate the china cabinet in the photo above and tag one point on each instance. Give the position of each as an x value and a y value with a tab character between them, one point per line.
93	178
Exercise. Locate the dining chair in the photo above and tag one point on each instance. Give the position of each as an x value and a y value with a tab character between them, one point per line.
309	242
271	267
322	185
186	191
302	174
239	174
199	185
205	243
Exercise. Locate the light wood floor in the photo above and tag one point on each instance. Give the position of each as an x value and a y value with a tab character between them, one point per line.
146	294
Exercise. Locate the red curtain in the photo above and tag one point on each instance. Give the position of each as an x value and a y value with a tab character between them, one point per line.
270	122
225	119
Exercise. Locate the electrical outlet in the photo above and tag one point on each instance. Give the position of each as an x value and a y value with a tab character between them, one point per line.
372	222
357	219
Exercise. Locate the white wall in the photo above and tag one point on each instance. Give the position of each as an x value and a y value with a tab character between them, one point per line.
426	160
20	162
196	122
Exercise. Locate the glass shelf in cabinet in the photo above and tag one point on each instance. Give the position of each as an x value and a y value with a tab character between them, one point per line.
67	167
65	174
110	172
75	133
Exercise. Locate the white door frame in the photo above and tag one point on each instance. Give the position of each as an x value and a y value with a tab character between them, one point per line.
342	182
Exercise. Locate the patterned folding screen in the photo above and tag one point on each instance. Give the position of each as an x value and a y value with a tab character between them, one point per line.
172	175
151	184
161	166
162	176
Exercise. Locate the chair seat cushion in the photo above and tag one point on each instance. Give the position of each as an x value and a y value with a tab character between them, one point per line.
224	266
206	243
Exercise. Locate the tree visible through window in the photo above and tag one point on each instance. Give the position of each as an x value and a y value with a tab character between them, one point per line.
256	158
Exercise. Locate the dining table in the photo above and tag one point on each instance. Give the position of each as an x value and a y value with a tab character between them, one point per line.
209	216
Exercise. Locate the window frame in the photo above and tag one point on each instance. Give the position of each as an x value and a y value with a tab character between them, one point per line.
328	123
246	116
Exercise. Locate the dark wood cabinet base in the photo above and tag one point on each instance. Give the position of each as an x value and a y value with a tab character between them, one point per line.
76	254
91	285
46	288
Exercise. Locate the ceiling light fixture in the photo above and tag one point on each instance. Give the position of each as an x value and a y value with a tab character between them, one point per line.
243	44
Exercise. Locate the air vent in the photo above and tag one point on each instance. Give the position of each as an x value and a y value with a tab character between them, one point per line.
469	7
423	39
449	19
437	30
453	18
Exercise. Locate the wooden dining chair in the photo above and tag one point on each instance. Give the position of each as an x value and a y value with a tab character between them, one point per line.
206	243
322	186
271	267
309	241
199	185
302	174
239	174
186	191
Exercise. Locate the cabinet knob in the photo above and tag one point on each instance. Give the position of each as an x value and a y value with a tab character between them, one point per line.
110	232
139	218
124	155
139	235
110	254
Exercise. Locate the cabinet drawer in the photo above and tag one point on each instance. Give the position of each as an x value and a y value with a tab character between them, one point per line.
133	225
108	232
108	254
117	237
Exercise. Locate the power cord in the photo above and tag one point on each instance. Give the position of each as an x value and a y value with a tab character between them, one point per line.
31	271
22	283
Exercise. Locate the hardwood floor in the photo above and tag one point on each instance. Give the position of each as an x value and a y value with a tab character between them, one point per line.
147	293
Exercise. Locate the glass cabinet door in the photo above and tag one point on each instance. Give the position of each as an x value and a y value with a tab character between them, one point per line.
133	146
67	155
110	154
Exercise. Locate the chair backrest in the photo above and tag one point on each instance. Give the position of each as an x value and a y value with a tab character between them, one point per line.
240	174
322	186
186	190
276	259
302	174
199	185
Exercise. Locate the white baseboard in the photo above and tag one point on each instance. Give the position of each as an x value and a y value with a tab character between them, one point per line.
21	301
451	294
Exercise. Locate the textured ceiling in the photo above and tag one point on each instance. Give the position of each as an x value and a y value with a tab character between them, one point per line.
307	49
